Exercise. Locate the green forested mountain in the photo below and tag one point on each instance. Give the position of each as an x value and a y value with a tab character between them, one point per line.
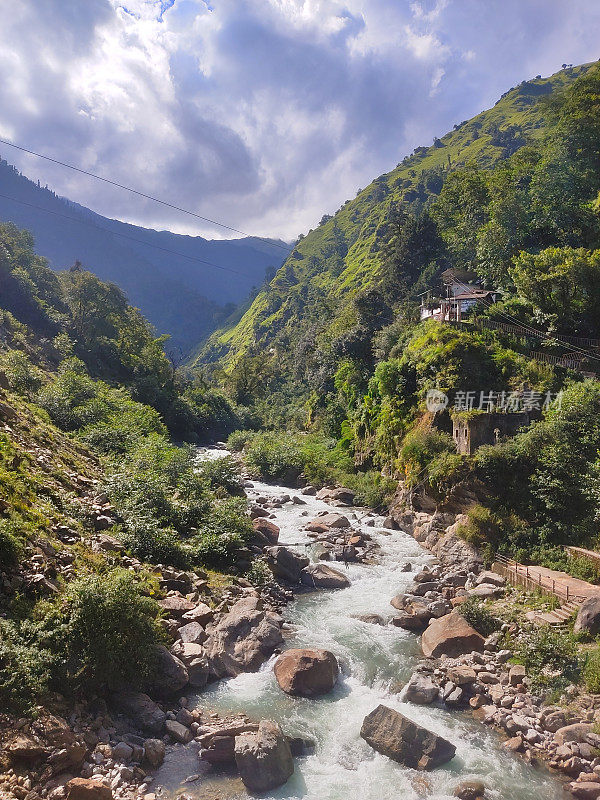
480	220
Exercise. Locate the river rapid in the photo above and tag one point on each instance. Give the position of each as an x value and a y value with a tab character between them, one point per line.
375	661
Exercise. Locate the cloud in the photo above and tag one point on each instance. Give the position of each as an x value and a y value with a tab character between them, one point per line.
264	114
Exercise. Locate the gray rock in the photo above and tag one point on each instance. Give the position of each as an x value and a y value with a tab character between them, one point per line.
178	731
392	734
285	564
420	690
243	638
142	711
154	752
171	675
264	758
321	576
588	617
192	632
122	752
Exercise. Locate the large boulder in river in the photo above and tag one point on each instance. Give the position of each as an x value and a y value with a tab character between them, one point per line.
392	734
320	576
264	758
142	711
306	673
285	564
266	530
243	638
327	521
451	636
588	617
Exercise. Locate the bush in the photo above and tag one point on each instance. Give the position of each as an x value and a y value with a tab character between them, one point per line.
222	474
224	531
591	671
113	631
419	449
549	656
10	546
239	439
372	488
23	377
274	457
259	573
482	526
24	670
146	541
479	617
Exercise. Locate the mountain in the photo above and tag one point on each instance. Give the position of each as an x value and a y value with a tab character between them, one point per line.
161	272
308	303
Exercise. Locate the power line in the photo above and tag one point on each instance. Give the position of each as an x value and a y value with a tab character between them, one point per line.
141	194
91	224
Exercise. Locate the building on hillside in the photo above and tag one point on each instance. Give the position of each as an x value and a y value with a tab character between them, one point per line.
462	292
472	431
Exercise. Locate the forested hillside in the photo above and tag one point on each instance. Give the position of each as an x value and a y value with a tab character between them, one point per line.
335	344
168	276
300	316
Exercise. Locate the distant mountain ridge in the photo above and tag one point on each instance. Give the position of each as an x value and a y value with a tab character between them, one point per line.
178	294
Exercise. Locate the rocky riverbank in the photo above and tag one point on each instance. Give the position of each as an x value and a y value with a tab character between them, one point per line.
463	670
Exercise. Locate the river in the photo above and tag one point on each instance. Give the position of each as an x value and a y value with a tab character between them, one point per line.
375	660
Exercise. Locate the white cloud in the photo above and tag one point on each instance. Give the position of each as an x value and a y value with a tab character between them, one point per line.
264	114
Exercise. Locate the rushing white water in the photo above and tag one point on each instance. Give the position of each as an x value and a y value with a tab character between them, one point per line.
375	661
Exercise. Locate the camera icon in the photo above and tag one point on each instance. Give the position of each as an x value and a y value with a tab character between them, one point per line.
436	400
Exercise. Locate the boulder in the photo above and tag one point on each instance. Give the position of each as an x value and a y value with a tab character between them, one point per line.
392	734
142	711
588	617
450	636
264	758
371	619
342	495
175	605
489	577
170	676
285	564
154	752
200	613
87	789
321	576
306	673
573	733
266	529
420	690
470	790
415	621
24	748
193	632
461	675
585	790
243	638
178	732
326	521
194	658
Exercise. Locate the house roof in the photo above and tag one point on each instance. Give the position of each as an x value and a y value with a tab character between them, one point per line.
476	294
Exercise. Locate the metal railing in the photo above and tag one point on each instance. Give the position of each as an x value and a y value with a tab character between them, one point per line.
518	330
533	580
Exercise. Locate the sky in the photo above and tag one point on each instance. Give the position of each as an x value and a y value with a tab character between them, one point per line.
261	114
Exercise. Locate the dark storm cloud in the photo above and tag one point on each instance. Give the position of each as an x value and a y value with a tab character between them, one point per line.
262	113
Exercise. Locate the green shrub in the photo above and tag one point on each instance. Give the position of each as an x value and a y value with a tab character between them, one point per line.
223	532
372	488
11	546
23	377
479	617
222	474
482	526
239	439
113	631
549	656
259	573
24	670
275	457
146	541
419	449
591	671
